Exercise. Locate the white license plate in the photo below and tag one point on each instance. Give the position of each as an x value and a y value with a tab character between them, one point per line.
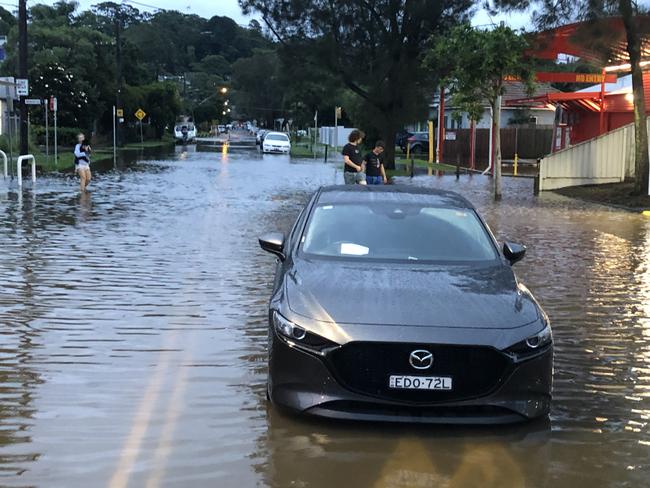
420	382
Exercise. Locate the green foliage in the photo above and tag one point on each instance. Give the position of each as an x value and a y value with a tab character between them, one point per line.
259	92
477	61
67	136
73	56
159	100
7	21
372	48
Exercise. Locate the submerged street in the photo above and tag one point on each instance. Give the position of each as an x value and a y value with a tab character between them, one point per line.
134	334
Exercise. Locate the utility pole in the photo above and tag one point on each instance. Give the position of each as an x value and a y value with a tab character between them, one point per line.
22	72
120	78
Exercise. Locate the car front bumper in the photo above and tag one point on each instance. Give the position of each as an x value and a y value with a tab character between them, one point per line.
276	150
302	382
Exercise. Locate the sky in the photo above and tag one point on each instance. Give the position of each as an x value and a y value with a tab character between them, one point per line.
230	8
204	8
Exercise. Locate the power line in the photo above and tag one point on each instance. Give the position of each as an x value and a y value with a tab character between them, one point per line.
140	4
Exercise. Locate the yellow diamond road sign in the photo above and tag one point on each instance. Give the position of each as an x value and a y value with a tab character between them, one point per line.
140	114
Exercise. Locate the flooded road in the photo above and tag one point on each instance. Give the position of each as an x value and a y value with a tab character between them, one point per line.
133	351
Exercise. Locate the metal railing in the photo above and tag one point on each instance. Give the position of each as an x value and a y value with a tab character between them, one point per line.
19	164
6	162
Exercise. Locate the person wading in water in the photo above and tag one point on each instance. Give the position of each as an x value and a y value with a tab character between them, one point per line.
82	162
374	165
352	158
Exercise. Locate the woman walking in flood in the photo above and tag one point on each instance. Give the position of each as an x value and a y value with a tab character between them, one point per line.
82	162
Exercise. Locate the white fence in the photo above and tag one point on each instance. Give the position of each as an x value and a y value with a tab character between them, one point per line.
334	136
606	159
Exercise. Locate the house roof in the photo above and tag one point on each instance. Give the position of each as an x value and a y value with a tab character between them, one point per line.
514	91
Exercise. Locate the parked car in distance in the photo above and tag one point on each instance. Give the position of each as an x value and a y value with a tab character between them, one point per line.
419	142
367	322
401	137
276	142
184	132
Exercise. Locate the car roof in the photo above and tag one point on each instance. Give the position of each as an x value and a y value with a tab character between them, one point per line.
276	132
393	193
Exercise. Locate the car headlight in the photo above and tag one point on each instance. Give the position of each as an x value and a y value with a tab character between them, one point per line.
294	335
533	345
287	328
540	339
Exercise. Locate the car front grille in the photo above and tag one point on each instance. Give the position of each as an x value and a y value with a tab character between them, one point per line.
365	367
469	413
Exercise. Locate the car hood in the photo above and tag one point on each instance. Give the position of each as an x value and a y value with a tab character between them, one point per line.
407	295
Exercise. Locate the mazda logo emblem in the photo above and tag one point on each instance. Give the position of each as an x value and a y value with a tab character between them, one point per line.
421	359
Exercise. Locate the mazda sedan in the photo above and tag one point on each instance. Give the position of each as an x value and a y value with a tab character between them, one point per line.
397	304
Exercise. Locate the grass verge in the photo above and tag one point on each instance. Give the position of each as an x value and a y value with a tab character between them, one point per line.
614	194
303	150
100	155
419	163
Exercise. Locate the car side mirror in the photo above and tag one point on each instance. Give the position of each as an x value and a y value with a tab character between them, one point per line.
273	242
513	252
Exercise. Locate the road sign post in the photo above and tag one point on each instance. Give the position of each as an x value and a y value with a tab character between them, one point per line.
140	114
54	108
47	130
337	116
115	112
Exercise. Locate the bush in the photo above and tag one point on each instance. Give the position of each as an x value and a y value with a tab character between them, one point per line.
67	135
4	144
131	132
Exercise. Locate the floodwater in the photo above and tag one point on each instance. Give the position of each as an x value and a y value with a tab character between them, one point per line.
133	339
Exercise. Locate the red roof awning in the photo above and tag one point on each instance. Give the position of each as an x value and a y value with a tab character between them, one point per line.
601	42
585	100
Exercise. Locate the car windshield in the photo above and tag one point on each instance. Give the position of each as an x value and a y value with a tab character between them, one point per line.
394	231
277	137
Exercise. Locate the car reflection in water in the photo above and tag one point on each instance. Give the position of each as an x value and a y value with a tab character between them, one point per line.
396	303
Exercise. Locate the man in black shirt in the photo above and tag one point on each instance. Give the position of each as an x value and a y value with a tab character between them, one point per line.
352	157
374	165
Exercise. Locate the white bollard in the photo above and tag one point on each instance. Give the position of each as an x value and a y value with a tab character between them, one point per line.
19	163
4	159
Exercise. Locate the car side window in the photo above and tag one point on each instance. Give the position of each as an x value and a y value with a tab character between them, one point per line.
295	230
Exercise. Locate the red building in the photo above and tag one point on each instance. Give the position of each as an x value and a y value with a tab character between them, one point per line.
580	116
585	114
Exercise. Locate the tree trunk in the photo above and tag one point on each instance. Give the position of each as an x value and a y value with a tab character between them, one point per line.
641	165
388	130
496	161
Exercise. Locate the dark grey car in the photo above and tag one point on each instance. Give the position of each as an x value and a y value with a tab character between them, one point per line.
396	303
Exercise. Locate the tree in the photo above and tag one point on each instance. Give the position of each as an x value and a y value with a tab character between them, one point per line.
64	63
258	93
76	57
594	12
478	62
373	47
7	21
